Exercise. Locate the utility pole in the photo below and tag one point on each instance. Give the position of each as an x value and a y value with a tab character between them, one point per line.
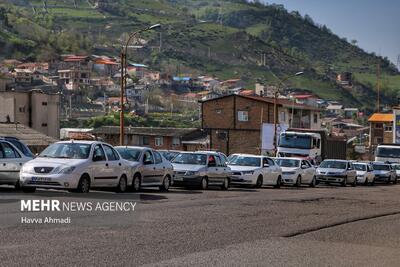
378	84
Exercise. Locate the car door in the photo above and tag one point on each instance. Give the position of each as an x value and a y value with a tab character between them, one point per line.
308	171
351	173
115	168
149	172
212	169
99	166
161	168
11	162
273	171
221	170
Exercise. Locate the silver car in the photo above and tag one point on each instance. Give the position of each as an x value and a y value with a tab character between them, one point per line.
148	167
337	171
201	169
11	161
384	172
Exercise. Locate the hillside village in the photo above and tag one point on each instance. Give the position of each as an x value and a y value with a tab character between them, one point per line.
77	89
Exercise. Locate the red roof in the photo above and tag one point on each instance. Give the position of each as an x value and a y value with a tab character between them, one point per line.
74	58
304	96
247	92
106	62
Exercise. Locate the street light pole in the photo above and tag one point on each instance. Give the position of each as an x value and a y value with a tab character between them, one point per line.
124	73
282	82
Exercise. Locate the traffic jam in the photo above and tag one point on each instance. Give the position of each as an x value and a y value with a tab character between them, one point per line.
79	166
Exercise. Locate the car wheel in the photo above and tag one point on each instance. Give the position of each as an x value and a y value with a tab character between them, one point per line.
278	182
298	181
366	181
204	183
354	184
388	181
313	182
17	186
373	182
28	189
259	182
122	185
225	185
344	183
395	180
136	183
83	185
165	184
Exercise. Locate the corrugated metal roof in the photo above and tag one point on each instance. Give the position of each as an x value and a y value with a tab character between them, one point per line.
381	117
27	135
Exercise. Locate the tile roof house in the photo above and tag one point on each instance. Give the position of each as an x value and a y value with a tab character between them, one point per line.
380	128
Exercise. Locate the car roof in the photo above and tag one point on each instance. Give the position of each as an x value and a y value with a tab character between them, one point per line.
341	160
290	158
134	147
81	142
248	155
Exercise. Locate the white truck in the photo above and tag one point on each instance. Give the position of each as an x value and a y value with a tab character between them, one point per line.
315	145
388	153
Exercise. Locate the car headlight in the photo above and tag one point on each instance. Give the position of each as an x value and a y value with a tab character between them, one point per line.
67	170
248	172
188	173
27	169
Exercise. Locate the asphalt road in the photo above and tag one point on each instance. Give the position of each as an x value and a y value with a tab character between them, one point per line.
325	226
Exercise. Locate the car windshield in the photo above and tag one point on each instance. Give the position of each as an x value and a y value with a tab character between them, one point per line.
360	167
24	149
67	151
169	155
245	161
333	164
381	167
129	153
396	167
289	163
190	158
295	141
388	152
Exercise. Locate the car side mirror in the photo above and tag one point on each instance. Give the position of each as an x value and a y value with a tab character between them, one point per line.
212	164
266	165
97	158
303	166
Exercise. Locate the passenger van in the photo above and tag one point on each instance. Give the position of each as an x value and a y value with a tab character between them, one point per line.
388	153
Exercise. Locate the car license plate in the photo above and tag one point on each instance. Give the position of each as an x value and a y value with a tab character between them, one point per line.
40	179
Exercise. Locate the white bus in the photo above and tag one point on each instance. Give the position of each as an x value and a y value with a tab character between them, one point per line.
388	153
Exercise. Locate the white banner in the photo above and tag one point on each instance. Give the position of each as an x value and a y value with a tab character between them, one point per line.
267	134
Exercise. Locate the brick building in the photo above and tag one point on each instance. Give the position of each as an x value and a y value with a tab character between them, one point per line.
155	137
234	122
380	128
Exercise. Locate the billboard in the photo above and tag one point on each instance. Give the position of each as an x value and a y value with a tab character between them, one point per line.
396	124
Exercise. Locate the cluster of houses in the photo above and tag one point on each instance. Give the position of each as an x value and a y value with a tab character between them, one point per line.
38	95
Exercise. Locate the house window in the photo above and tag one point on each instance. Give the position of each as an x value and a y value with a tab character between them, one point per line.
144	140
159	141
378	125
44	103
44	124
315	118
176	141
218	111
243	116
387	127
282	116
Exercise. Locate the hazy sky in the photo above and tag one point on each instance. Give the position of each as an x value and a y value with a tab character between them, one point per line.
375	24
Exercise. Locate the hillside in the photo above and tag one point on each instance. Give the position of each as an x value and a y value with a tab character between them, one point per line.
223	38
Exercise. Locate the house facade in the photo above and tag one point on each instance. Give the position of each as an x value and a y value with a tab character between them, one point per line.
380	128
34	109
234	122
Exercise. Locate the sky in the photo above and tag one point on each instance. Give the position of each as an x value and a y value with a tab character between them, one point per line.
373	23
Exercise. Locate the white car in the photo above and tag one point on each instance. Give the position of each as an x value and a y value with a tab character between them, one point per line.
76	166
148	168
365	174
254	170
297	171
11	161
396	167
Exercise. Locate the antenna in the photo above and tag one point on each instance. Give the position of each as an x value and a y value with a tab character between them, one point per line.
398	62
